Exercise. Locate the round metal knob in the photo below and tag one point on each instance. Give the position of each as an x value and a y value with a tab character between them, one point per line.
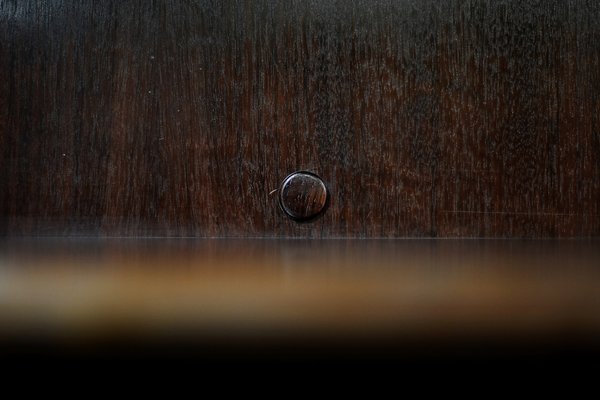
303	196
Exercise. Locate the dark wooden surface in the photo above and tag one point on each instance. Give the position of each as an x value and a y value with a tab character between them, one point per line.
179	118
405	293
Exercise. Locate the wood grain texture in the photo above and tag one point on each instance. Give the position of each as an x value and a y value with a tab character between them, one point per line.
179	118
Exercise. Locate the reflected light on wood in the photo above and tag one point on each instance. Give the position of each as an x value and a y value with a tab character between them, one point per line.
299	288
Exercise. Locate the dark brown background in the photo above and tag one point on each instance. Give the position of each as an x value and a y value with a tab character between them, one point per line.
425	118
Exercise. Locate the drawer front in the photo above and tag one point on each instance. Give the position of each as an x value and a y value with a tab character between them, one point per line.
183	118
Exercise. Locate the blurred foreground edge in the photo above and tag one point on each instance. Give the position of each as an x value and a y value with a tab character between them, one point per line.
417	300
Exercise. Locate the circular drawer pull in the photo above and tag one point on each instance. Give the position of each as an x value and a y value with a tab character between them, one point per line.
303	196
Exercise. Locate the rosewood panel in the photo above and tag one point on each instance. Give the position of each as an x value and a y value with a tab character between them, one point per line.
456	118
